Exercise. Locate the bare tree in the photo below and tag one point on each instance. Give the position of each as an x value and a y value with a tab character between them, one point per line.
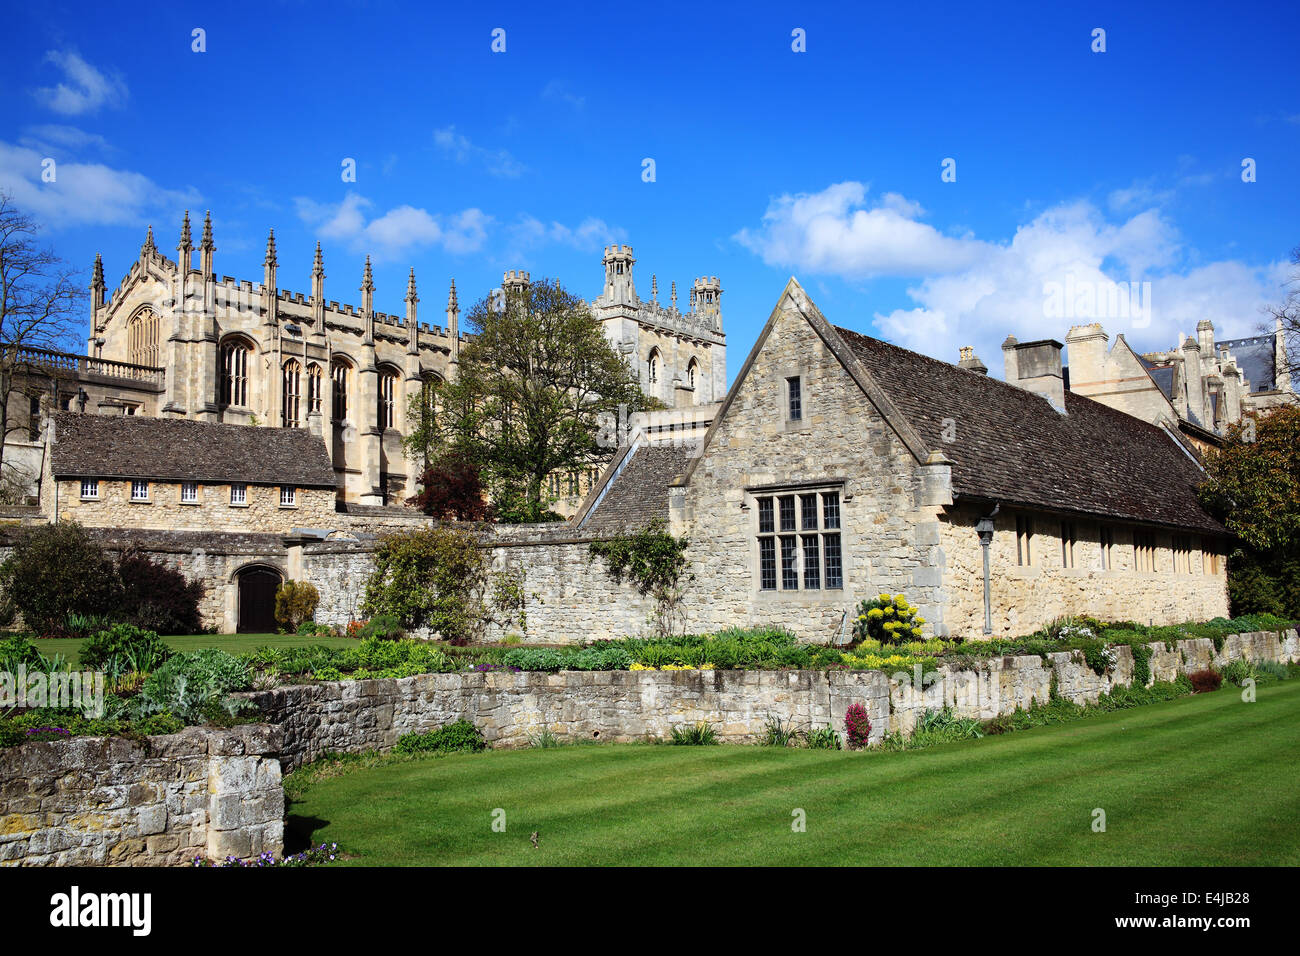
1288	314
39	294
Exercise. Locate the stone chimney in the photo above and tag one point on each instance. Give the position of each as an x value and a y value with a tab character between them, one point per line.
970	360
1088	351
1036	367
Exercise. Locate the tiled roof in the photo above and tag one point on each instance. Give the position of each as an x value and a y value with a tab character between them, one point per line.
638	493
1011	446
177	449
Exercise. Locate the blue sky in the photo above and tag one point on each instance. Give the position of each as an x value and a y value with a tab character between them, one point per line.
1071	165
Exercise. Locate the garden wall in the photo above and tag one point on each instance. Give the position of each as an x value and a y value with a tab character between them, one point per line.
509	708
95	801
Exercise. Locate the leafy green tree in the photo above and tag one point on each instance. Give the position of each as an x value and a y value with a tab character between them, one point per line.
1253	486
56	570
434	578
532	389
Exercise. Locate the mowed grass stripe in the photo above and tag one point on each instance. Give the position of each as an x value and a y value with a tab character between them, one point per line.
1203	780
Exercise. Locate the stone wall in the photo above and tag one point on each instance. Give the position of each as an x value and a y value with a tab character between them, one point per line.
509	709
1024	598
213	511
94	801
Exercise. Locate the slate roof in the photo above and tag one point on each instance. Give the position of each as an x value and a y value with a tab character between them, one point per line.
1256	358
638	493
178	449
1012	446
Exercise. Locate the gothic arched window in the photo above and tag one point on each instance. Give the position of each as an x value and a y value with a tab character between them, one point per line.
691	369
313	388
291	389
142	338
387	397
235	356
340	370
652	367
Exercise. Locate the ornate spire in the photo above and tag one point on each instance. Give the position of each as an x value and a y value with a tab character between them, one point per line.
97	280
318	266
186	242
654	288
270	259
674	295
148	246
367	279
410	287
452	304
206	244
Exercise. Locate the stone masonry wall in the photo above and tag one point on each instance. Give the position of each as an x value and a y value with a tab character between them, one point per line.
352	716
1024	598
95	801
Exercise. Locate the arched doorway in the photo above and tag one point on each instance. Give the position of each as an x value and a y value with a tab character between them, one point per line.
257	587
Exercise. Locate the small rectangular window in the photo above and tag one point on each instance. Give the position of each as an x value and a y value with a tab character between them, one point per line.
794	390
767	563
789	563
139	491
1024	540
90	488
239	494
787	512
288	497
808	513
189	492
812	577
1067	544
831	509
834	562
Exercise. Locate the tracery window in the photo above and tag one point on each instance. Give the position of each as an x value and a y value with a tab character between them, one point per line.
234	372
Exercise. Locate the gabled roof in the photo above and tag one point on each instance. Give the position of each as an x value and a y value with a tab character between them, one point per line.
637	492
178	449
1010	445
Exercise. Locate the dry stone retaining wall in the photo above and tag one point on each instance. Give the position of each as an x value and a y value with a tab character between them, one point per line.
95	801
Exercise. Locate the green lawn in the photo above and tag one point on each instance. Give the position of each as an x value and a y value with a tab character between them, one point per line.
234	643
1205	780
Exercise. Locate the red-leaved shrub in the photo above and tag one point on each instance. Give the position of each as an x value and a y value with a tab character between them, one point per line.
857	727
1204	681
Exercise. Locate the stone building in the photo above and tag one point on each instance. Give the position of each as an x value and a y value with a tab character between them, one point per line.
1202	387
840	466
176	341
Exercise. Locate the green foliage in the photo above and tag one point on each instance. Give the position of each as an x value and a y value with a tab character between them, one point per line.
295	602
936	727
383	626
156	597
778	733
888	619
124	649
312	629
434	578
543	740
1261	584
654	561
56	570
824	738
697	735
534	387
1253	486
458	737
194	686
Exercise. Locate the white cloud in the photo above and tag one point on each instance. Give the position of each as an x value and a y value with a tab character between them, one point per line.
590	233
836	231
973	291
396	231
497	162
83	89
52	137
84	193
558	91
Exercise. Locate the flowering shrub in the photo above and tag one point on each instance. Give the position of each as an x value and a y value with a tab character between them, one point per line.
355	628
857	727
324	853
1205	681
888	619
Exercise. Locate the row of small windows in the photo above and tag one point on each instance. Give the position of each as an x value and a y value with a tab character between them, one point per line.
189	494
799	542
1144	549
